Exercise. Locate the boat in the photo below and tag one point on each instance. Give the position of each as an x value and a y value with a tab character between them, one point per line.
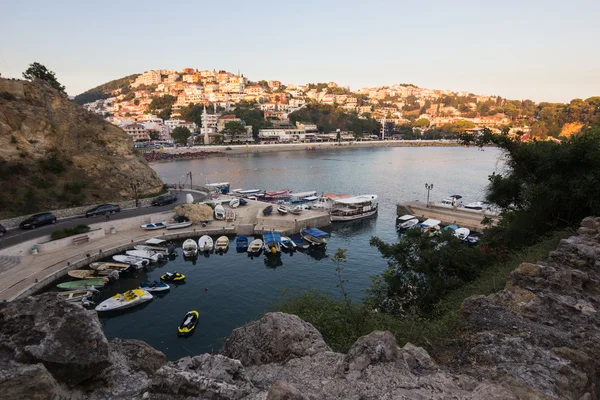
77	296
267	210
451	228
219	212
128	299
154	286
188	324
221	244
326	201
315	236
83	284
87	273
450	201
255	246
287	243
282	209
234	203
172	277
179	222
146	254
272	243
190	248
163	251
430	227
405	222
150	227
300	243
477	205
296	210
299	197
462	233
243	202
218	188
136	261
109	266
473	239
278	194
241	243
353	208
205	243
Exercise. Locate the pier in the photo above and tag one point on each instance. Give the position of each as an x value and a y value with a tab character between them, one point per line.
462	217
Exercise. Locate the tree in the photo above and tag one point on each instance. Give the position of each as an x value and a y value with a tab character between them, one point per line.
421	123
181	134
153	135
233	129
39	71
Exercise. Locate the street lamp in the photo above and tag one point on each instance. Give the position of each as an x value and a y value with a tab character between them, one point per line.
429	187
134	188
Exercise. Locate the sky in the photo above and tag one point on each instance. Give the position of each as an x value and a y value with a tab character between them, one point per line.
543	50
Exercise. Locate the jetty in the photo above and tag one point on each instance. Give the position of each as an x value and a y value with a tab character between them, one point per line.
462	217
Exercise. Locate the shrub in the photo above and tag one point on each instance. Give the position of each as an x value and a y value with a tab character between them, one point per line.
63	233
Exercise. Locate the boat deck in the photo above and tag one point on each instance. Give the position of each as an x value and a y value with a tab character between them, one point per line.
462	217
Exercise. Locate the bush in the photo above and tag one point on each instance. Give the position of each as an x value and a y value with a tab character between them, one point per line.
63	233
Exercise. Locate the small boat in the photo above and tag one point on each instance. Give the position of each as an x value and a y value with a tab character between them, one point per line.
462	233
406	222
188	324
205	243
282	209
163	251
83	284
278	194
146	254
109	266
190	248
315	236
430	227
255	246
473	238
272	243
128	299
287	243
222	244
243	202
241	243
477	205
136	261
267	210
296	210
173	277
219	212
234	203
76	296
179	222
150	227
300	243
87	274
154	286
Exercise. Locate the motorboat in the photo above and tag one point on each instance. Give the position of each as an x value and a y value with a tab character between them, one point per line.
83	284
128	299
450	201
131	260
315	236
205	243
300	243
430	227
87	273
451	228
296	210
154	286
221	244
282	209
77	296
473	238
353	208
163	251
188	324
241	243
255	246
219	212
287	244
173	277
462	233
267	210
278	195
179	223
146	254
325	202
243	202
109	266
272	243
218	188
234	203
190	248
300	197
154	226
405	222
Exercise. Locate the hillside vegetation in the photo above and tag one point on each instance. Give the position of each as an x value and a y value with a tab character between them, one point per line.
103	91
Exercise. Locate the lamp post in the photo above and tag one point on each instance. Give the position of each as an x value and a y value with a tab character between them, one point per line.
134	188
429	187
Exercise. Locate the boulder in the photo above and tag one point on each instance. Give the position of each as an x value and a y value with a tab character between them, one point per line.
32	381
374	348
281	390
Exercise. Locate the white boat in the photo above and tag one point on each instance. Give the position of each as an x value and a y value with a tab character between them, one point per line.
282	209
221	244
326	201
109	266
128	299
296	210
406	222
135	261
300	197
315	236
255	246
157	249
147	254
462	233
287	243
190	248
178	225
234	203
353	208
430	227
219	212
154	286
205	243
76	296
154	226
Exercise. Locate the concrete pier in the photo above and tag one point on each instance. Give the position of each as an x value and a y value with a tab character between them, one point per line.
462	217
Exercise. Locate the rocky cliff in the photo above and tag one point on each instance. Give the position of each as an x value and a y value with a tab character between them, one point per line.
537	339
55	154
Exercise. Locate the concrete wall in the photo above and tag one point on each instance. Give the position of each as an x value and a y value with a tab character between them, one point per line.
68	241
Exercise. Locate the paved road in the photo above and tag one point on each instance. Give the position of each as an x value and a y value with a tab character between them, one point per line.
16	236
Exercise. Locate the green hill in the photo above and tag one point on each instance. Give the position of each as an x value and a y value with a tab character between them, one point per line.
103	91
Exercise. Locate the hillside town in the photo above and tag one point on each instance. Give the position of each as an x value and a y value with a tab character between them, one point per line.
151	107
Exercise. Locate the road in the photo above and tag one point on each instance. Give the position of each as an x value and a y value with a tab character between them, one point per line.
16	236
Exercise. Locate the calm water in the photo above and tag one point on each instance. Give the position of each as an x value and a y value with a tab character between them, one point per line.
241	288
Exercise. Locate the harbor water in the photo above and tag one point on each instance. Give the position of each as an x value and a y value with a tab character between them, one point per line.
232	289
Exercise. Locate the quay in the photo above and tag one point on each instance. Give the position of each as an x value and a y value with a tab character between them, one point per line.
462	217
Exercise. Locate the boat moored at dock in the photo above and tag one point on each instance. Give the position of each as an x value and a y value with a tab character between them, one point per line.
315	236
272	243
353	208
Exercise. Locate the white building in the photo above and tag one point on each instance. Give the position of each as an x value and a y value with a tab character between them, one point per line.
147	78
163	131
281	134
209	124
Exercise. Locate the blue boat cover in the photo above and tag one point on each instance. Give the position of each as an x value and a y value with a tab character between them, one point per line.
269	237
314	232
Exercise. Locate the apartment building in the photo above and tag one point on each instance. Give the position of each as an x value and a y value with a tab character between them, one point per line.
147	78
138	132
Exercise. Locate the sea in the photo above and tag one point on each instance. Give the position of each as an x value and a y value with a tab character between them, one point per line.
232	289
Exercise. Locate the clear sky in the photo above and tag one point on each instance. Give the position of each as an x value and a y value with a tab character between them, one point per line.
544	50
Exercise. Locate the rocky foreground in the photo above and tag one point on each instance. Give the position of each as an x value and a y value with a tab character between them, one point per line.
539	338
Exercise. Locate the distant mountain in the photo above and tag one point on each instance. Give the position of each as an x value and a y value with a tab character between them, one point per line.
103	91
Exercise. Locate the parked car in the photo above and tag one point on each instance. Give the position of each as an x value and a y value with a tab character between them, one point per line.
228	148
2	230
103	209
164	199
38	220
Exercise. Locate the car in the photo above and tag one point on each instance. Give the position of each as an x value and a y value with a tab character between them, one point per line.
38	220
228	148
164	199
2	230
103	209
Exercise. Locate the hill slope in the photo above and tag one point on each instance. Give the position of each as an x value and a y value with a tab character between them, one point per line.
54	153
102	91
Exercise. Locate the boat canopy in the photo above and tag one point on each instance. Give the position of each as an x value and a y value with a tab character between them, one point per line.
366	198
301	195
154	241
270	237
317	233
406	217
429	223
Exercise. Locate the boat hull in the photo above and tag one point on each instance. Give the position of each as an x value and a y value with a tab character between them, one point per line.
179	225
342	218
120	301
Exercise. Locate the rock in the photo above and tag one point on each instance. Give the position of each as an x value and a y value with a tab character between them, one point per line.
18	381
374	348
529	269
281	390
139	355
276	337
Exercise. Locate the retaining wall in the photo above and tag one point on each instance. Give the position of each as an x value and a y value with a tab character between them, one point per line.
50	245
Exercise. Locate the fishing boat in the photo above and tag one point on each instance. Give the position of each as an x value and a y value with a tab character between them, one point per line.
267	210
145	254
205	243
219	212
154	226
241	243
190	248
314	236
296	210
462	233
172	277
77	296
221	244
406	222
278	194
179	223
87	274
282	209
135	261
287	244
234	203
188	324
128	299
353	208
109	266
255	246
300	197
248	192
300	243
272	243
83	284
326	201
154	286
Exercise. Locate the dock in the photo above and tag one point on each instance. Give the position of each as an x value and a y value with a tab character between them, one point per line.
462	217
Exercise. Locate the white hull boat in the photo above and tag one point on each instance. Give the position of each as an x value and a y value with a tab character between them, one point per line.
255	246
136	261
462	233
406	222
147	254
157	249
219	212
314	236
354	208
222	244
343	217
282	209
151	227
234	203
190	248
287	243
154	286
205	243
109	266
128	299
179	225
77	296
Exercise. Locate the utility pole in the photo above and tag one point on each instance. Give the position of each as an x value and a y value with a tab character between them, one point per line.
429	187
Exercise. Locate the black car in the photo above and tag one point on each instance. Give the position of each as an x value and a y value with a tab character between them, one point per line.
38	220
103	209
2	230
164	199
